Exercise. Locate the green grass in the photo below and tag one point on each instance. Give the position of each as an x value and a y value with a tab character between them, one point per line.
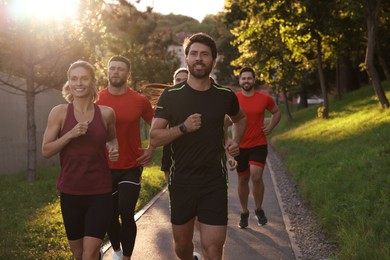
342	168
31	224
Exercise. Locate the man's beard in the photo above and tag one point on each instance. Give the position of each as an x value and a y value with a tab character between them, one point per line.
200	74
117	82
247	88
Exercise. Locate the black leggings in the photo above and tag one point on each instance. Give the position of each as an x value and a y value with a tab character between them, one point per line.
126	189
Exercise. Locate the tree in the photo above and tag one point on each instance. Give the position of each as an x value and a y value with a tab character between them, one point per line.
135	36
383	38
372	8
39	52
259	40
318	36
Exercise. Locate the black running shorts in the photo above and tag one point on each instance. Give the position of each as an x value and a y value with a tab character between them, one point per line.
208	203
255	155
166	158
86	215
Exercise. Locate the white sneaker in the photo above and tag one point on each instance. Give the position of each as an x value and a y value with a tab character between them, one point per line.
197	256
117	255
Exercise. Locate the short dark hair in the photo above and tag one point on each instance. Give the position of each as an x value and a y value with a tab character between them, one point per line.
122	59
201	38
247	69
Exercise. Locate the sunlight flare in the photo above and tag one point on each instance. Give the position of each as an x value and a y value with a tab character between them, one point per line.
43	9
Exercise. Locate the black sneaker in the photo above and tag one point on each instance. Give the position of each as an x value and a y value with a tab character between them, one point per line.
244	220
261	218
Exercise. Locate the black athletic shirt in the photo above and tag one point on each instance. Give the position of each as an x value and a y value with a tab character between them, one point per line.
198	157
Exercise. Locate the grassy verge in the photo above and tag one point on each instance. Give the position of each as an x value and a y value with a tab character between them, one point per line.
30	217
342	168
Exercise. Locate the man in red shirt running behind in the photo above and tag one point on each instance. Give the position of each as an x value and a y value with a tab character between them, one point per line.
129	107
253	146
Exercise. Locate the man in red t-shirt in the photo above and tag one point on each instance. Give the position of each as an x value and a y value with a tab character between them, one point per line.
253	146
129	107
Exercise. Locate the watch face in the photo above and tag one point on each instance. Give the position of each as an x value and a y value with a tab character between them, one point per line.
183	128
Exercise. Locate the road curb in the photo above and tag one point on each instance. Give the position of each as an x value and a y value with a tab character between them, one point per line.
286	219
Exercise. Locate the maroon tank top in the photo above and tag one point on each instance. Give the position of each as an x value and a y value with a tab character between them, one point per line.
84	166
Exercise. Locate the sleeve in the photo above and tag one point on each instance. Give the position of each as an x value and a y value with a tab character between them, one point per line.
162	107
270	103
147	111
234	105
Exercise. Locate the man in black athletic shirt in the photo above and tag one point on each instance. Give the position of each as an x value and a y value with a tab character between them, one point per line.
195	112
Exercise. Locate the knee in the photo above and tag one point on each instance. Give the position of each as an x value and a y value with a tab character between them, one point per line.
127	219
243	180
257	178
212	251
90	255
126	214
77	254
183	248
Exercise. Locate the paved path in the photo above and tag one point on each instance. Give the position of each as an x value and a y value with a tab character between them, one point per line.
154	239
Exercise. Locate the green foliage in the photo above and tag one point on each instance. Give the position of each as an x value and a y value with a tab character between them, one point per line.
213	25
287	41
320	111
136	37
261	40
31	225
152	180
172	22
341	167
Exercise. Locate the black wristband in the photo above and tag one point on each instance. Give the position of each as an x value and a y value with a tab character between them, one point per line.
183	128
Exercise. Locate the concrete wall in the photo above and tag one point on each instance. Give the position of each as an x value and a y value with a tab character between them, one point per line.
13	129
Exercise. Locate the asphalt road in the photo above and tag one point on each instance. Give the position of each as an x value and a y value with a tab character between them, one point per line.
272	241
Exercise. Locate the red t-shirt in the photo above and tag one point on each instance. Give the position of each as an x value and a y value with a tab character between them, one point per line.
129	109
254	108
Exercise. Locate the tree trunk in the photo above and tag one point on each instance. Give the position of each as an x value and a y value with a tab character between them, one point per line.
371	18
302	97
31	127
347	78
338	79
288	112
382	62
321	75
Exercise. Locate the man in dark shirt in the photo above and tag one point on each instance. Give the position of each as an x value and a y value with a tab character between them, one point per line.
195	112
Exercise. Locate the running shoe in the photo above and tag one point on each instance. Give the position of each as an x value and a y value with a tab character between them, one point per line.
261	218
244	220
197	256
117	255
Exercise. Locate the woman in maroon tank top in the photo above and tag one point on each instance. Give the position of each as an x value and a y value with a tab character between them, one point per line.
83	133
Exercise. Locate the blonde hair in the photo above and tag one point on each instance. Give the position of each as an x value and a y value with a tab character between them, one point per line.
66	93
179	70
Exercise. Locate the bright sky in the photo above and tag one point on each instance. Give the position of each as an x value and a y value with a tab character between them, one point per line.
197	9
42	9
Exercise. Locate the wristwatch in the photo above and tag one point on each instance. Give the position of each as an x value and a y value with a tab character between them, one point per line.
183	128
